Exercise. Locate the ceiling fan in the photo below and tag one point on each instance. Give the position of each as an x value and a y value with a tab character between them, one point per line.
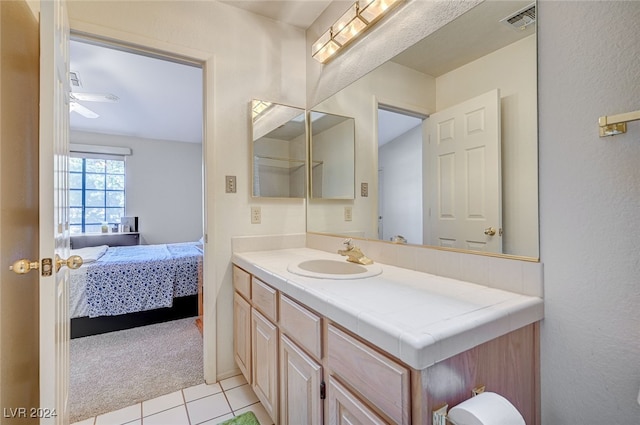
89	97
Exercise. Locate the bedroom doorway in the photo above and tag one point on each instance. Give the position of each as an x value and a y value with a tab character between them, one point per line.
145	108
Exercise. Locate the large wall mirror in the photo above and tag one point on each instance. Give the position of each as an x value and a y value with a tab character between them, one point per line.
446	139
278	150
332	146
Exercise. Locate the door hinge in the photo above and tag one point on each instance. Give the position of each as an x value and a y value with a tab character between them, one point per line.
323	391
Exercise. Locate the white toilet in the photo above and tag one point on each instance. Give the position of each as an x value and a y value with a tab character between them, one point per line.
485	409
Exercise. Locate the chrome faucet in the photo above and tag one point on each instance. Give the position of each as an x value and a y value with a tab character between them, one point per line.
353	253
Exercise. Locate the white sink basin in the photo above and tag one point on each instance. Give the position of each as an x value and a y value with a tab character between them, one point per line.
334	269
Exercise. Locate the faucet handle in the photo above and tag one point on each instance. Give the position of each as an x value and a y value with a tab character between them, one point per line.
348	243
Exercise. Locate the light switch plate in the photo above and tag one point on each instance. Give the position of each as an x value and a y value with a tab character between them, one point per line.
364	190
230	184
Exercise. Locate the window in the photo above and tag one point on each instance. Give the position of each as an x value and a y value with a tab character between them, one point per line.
96	184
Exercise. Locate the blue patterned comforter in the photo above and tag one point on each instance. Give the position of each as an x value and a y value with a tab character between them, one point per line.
127	279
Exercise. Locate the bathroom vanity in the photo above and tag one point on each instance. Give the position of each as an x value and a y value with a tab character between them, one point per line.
385	348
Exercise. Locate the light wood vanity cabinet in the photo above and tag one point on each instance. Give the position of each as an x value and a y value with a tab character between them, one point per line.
307	370
264	364
242	334
300	385
281	355
346	409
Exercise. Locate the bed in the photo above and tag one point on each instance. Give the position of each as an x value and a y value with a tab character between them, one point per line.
121	287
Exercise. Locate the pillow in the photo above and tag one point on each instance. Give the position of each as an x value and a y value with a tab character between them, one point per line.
90	254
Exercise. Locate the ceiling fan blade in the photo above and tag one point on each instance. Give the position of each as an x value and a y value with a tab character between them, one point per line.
95	97
85	112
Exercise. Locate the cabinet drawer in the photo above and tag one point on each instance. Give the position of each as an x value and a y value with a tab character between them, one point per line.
264	298
301	325
242	282
376	377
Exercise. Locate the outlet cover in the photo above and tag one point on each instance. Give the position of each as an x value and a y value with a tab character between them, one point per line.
256	215
348	214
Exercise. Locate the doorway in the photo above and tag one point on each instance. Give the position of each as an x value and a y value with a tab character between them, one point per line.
400	146
119	106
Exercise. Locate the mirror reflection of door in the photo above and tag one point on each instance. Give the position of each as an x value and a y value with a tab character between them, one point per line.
465	175
400	205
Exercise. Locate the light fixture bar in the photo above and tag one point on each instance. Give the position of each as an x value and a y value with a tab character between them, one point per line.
356	20
373	10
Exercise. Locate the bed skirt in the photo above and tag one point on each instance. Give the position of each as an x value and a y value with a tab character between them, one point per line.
182	308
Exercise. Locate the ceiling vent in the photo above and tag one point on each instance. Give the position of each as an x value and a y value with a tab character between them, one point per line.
521	19
74	79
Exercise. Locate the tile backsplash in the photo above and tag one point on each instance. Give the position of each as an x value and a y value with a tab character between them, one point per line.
515	275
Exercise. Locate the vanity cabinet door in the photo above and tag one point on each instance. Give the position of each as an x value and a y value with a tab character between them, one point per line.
242	335
300	380
346	409
264	342
380	380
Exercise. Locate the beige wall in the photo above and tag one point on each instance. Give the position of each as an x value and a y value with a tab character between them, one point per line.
19	64
248	57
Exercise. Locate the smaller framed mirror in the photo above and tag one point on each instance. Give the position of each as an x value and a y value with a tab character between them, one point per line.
278	150
332	159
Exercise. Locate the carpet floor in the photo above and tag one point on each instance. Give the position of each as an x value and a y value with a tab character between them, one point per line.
118	369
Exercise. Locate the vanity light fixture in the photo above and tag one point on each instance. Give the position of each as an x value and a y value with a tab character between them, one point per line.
356	20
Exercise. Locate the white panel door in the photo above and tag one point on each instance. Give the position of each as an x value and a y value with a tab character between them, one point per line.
54	212
465	176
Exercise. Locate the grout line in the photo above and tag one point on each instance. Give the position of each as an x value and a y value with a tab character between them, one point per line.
184	401
227	399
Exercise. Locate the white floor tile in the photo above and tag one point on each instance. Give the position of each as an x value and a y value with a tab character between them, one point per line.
234	381
121	416
199	391
161	403
136	422
210	407
175	416
260	412
89	421
241	396
217	420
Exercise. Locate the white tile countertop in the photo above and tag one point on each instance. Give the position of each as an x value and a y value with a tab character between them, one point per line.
417	317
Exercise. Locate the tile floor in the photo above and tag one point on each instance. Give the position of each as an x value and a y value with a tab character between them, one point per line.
202	404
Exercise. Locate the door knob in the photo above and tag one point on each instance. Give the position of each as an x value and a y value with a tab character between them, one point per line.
24	266
73	262
490	231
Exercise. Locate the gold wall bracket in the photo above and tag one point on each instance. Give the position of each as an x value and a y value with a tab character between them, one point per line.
616	124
